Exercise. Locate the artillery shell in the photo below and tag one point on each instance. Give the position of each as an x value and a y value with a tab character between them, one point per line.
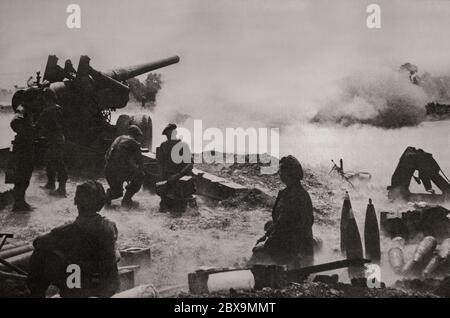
22	261
439	259
352	239
422	255
346	208
396	259
432	266
15	251
398	242
444	250
372	235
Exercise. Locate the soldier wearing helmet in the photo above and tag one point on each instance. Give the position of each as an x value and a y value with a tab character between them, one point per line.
174	158
22	159
124	164
50	127
289	238
88	242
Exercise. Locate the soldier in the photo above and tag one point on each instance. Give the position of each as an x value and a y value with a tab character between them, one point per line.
124	164
50	126
23	156
88	242
289	238
428	169
173	169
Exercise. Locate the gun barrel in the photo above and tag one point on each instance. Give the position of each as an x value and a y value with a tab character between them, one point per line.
107	81
122	74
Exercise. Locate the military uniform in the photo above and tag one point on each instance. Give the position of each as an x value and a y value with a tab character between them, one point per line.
290	238
124	164
411	160
50	127
171	196
90	242
23	157
428	168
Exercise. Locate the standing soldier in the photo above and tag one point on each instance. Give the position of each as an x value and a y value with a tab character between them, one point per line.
124	164
289	239
23	156
89	242
50	125
174	158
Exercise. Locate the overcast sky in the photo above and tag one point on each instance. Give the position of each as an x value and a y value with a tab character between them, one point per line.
223	36
241	60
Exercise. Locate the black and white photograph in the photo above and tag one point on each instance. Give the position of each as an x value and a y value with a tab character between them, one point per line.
224	155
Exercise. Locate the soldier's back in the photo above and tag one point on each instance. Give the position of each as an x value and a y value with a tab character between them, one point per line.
89	242
121	150
88	238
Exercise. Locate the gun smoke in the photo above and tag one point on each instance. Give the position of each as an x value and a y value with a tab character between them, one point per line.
384	98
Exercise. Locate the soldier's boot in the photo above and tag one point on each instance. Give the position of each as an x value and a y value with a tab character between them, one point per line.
61	191
112	195
180	206
22	206
163	208
127	202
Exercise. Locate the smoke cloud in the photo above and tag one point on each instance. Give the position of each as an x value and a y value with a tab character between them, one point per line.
383	98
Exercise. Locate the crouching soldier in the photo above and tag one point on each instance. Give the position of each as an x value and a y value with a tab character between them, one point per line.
124	164
89	243
289	237
175	160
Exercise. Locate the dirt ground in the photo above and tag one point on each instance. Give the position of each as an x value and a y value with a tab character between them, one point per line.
213	236
217	235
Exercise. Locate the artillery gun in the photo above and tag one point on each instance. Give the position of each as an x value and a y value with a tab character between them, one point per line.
88	97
